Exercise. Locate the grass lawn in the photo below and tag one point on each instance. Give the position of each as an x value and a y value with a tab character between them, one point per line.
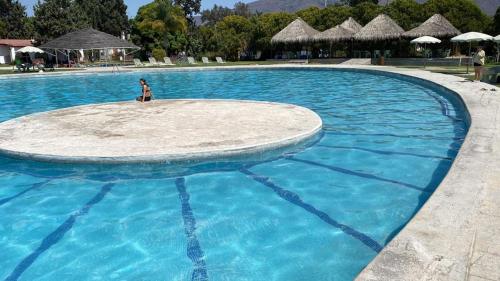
8	70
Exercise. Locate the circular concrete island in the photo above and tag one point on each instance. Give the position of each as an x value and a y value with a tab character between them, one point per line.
158	131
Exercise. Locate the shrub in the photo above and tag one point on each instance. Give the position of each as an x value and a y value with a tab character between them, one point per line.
159	54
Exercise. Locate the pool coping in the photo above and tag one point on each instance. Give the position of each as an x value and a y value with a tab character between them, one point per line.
453	235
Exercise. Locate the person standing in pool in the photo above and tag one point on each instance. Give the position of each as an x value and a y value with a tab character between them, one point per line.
479	57
147	95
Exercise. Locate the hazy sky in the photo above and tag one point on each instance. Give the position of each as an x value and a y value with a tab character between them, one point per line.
133	5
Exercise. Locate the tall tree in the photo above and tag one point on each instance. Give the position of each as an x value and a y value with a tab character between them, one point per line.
54	18
242	9
366	11
312	16
234	34
214	15
13	20
334	15
463	14
407	13
3	29
190	8
267	25
353	3
109	16
159	23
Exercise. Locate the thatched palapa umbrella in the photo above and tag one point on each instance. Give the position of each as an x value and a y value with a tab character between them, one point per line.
297	31
380	28
335	34
435	26
87	39
351	24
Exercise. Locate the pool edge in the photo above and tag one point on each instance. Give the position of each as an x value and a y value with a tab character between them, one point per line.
442	239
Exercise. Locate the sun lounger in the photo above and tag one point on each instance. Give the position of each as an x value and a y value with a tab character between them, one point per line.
205	60
168	61
138	63
191	60
153	61
219	60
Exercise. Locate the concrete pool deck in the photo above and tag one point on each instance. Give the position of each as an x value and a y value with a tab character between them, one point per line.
454	235
157	131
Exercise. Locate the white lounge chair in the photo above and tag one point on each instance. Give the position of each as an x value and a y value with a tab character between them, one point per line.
191	60
153	61
138	63
205	60
219	60
168	61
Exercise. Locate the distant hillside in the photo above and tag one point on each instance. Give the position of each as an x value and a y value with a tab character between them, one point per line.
488	6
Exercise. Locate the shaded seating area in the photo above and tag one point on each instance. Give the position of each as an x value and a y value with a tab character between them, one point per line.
436	26
382	40
298	34
86	44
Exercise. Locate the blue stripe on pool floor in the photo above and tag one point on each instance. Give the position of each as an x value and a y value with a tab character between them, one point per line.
334	132
296	200
194	251
34	186
358	174
57	234
384	152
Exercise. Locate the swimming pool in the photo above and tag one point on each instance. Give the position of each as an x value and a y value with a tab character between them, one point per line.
320	213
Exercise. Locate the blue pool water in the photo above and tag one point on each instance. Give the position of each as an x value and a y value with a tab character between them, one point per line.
320	213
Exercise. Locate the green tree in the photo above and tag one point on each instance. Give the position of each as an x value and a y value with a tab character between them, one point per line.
265	27
109	16
13	20
157	23
3	29
216	14
407	13
463	14
190	8
366	11
242	9
312	16
334	15
54	18
353	3
234	34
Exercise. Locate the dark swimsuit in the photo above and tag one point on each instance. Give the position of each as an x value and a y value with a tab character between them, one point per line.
147	98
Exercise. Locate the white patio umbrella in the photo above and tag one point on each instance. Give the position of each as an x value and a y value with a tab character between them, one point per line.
30	49
471	37
425	40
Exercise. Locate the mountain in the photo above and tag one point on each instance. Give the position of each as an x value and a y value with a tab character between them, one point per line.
489	7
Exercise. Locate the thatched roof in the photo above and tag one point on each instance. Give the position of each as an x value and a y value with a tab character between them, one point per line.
297	31
380	28
351	24
88	39
436	26
337	33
